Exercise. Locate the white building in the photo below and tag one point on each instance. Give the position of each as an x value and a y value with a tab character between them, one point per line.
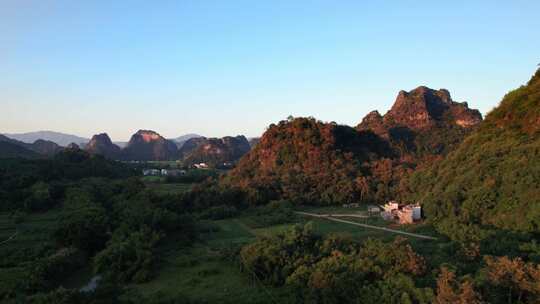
391	206
201	166
151	172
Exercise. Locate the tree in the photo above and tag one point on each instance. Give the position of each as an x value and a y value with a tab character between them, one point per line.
84	227
449	291
129	257
520	279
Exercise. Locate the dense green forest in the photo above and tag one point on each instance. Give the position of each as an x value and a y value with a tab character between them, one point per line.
104	218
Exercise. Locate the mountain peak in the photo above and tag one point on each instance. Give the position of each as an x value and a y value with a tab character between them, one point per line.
423	108
149	145
102	144
102	137
374	121
148	135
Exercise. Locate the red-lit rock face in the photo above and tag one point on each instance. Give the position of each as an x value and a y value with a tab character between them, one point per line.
421	109
148	137
148	145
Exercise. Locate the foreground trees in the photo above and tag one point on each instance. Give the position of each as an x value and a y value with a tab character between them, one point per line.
337	270
334	269
449	290
514	279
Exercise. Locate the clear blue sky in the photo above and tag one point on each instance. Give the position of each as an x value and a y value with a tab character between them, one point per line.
233	67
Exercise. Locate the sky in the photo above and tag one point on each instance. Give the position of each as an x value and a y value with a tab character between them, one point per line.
221	68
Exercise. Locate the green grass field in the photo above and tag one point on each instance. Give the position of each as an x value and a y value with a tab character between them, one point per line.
362	209
153	179
162	188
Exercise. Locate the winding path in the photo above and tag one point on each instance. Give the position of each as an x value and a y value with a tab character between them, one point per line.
331	217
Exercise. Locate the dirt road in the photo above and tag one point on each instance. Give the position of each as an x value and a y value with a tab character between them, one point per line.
330	217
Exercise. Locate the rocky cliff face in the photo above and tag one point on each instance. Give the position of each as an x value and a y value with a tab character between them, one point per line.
147	145
423	121
102	144
215	151
421	109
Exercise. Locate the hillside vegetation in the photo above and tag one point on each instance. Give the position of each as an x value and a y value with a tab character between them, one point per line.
492	179
305	160
311	162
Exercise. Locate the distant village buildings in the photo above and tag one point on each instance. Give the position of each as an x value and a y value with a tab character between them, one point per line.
163	172
151	172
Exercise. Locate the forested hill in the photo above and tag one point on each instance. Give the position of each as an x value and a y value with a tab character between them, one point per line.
306	160
493	178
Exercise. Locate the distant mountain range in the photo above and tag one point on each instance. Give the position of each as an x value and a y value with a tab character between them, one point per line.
147	145
180	140
423	124
39	148
60	139
63	139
